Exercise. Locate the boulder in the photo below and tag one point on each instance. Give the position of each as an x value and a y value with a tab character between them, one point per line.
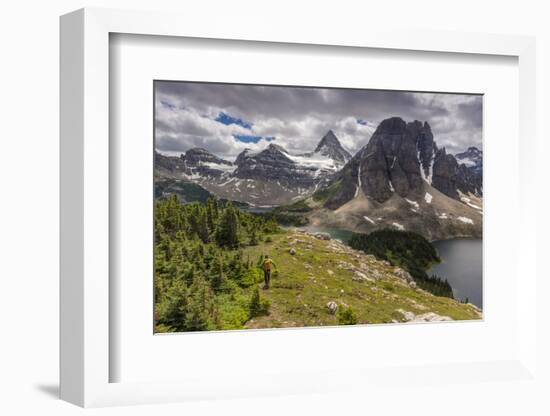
412	284
402	274
431	317
332	307
361	277
322	236
409	316
292	251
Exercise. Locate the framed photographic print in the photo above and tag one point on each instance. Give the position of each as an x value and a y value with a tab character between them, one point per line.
280	206
311	201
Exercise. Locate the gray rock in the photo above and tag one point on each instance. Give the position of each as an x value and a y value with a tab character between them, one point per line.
292	251
322	236
332	307
403	274
361	277
430	317
409	316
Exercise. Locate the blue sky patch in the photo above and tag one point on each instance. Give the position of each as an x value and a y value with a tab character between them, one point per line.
247	139
227	120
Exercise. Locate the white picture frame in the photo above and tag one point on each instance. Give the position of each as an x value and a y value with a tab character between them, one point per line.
85	355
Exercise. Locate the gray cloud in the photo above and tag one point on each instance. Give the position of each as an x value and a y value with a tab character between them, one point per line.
298	117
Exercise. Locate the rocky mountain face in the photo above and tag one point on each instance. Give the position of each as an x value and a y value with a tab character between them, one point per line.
401	158
272	176
274	164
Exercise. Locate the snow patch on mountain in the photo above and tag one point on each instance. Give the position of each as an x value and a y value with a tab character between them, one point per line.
400	227
413	203
369	219
314	161
225	168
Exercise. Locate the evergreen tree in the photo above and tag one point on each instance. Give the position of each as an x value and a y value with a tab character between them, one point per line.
171	310
252	237
200	306
217	275
203	228
258	306
210	214
228	230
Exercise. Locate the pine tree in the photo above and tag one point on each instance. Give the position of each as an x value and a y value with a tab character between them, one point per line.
203	228
171	310
258	306
218	275
200	306
253	238
255	304
228	230
210	214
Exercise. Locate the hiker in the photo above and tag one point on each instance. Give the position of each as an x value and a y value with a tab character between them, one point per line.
267	264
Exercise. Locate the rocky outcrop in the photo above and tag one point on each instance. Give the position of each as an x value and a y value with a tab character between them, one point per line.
424	317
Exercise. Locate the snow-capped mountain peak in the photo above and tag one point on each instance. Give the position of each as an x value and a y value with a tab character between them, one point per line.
331	147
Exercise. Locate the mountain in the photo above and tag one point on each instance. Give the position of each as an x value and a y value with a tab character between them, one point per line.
330	147
195	162
472	158
272	176
401	179
454	178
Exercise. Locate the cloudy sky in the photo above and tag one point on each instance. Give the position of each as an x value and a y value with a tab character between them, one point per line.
225	118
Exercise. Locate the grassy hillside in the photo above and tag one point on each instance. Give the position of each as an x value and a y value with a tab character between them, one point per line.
323	271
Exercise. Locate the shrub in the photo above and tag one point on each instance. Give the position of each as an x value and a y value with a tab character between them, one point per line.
258	306
161	328
233	310
346	316
251	277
